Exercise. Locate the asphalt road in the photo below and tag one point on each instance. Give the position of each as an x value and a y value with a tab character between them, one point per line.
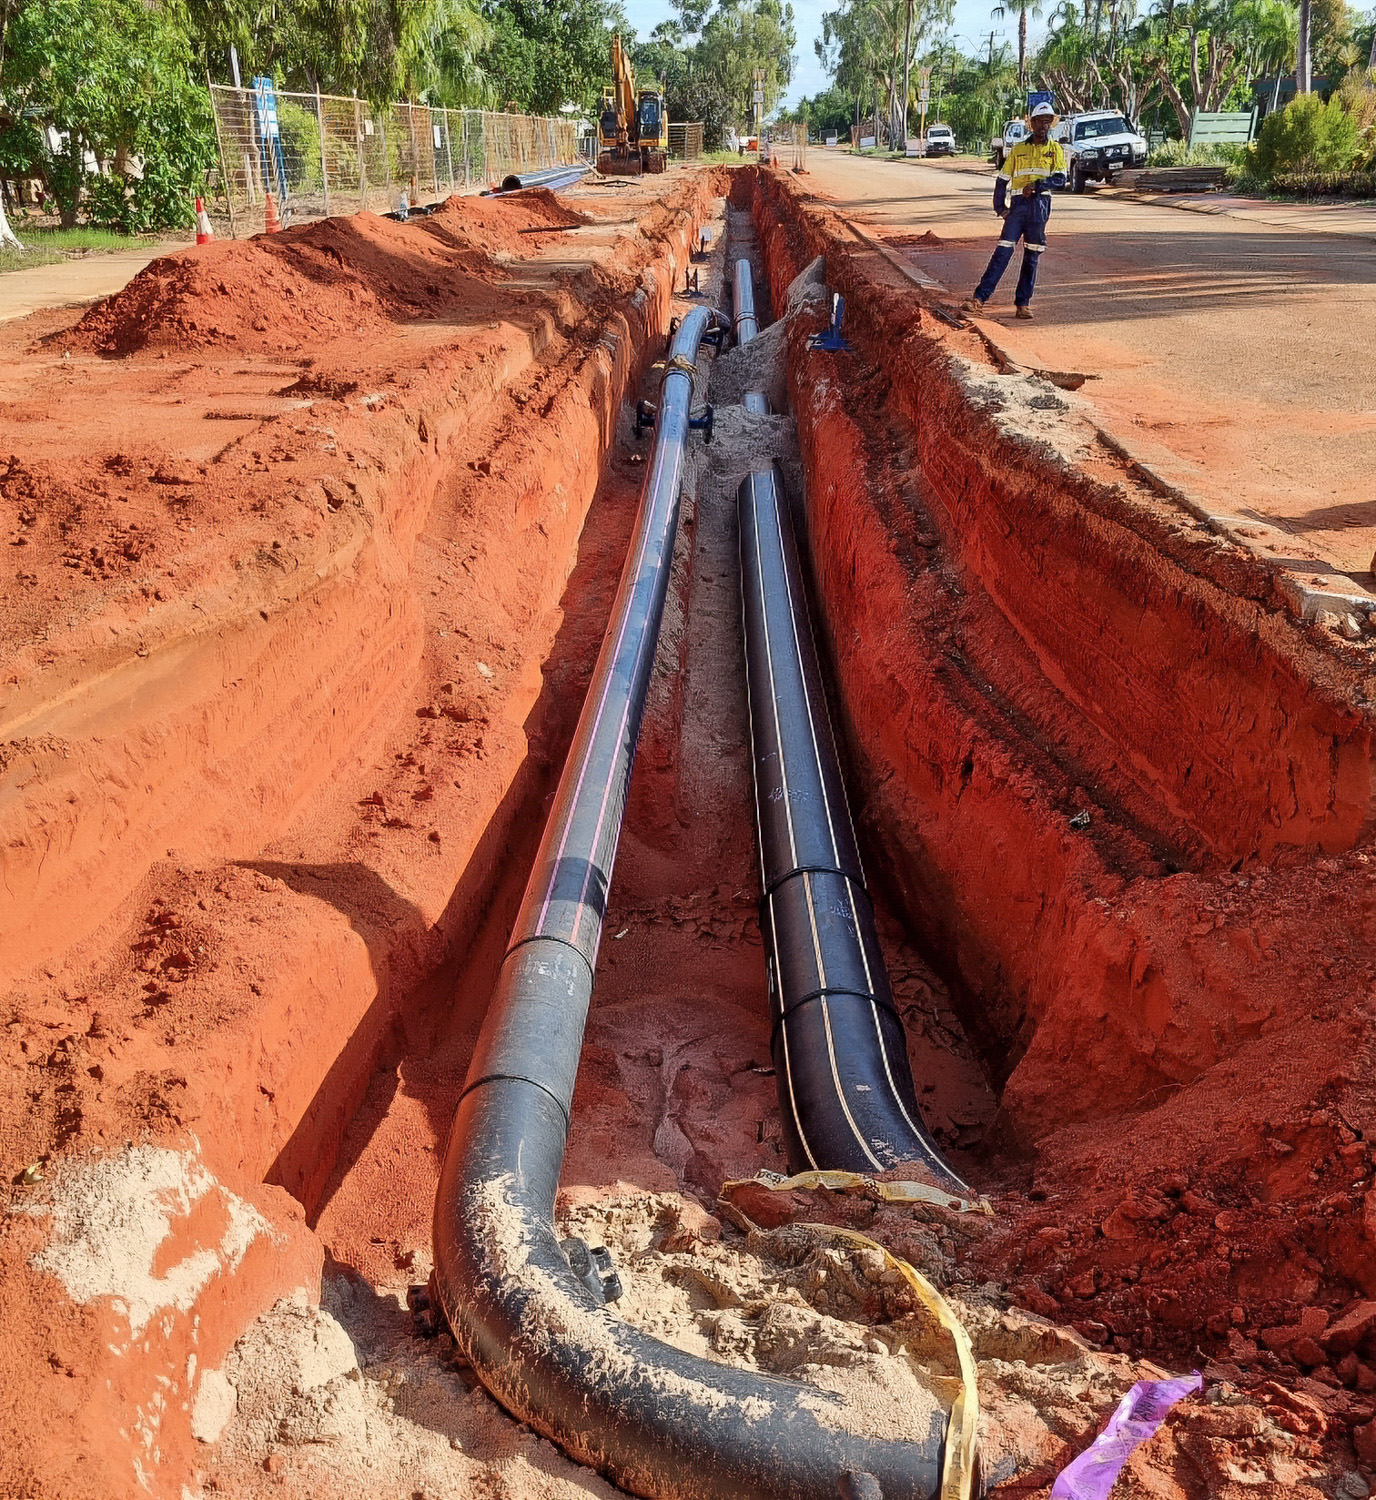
1232	350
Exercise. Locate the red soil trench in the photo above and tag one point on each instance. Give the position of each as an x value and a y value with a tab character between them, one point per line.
274	712
1179	994
313	539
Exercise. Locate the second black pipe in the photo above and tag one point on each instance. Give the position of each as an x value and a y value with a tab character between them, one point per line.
840	1052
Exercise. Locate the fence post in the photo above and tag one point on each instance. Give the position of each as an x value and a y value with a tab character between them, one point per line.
362	155
386	164
415	150
449	149
220	147
434	155
324	163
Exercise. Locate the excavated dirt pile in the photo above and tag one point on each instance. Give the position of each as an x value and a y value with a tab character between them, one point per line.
333	279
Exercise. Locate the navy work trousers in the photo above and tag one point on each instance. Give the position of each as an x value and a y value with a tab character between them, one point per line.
1027	218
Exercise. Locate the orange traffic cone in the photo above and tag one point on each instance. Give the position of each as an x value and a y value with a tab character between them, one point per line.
204	233
271	223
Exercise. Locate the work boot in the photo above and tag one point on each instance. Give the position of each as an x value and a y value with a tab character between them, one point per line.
972	304
1022	312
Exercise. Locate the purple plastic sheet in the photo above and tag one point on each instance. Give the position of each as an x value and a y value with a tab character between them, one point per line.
1139	1414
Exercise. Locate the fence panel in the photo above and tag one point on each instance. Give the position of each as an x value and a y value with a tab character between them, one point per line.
333	155
685	141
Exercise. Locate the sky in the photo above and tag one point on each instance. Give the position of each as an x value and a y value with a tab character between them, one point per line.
970	28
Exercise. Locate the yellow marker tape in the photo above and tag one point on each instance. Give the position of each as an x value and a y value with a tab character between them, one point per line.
683	365
962	1425
870	1187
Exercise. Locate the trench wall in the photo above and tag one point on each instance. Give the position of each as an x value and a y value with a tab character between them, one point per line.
1006	632
1249	737
211	740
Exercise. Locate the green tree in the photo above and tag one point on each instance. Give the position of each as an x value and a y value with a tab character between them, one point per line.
706	60
380	49
1306	136
832	109
102	107
547	53
1022	9
742	35
869	47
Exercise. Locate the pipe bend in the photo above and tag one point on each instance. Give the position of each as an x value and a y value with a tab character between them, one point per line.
660	1422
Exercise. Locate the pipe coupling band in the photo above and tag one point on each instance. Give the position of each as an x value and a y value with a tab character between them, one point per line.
683	365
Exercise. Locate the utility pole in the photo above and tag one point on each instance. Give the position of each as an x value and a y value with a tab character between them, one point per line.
907	54
758	100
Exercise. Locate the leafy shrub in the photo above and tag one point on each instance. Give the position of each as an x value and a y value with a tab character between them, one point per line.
1357	95
1326	184
1306	136
1176	153
106	82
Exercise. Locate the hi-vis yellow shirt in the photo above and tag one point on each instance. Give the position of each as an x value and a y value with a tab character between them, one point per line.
1028	161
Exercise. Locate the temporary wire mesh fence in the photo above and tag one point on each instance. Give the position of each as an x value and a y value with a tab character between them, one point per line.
321	154
685	141
799	143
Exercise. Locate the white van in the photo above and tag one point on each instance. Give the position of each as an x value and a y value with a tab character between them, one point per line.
1001	144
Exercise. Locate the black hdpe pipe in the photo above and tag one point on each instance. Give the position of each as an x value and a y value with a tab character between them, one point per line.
658	1421
840	1054
546	177
743	301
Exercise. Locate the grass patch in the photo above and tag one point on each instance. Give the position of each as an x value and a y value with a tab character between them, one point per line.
47	247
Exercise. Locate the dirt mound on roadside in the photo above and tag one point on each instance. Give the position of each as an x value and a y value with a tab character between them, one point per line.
339	277
518	225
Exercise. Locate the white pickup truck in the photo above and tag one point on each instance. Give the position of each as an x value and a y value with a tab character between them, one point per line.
1097	145
1000	145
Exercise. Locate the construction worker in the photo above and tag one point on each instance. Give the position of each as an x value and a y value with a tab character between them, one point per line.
1032	168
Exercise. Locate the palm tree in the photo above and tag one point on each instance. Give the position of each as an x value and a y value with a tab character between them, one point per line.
1024	8
1302	73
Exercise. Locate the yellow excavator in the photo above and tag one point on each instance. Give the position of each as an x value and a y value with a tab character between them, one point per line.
634	127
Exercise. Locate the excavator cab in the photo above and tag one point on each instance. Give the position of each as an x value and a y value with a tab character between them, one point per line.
653	126
607	122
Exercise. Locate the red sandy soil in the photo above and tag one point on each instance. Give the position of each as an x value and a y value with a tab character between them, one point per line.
286	292
289	521
1179	993
300	622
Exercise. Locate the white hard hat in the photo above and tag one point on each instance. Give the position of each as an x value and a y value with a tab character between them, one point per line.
1041	109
